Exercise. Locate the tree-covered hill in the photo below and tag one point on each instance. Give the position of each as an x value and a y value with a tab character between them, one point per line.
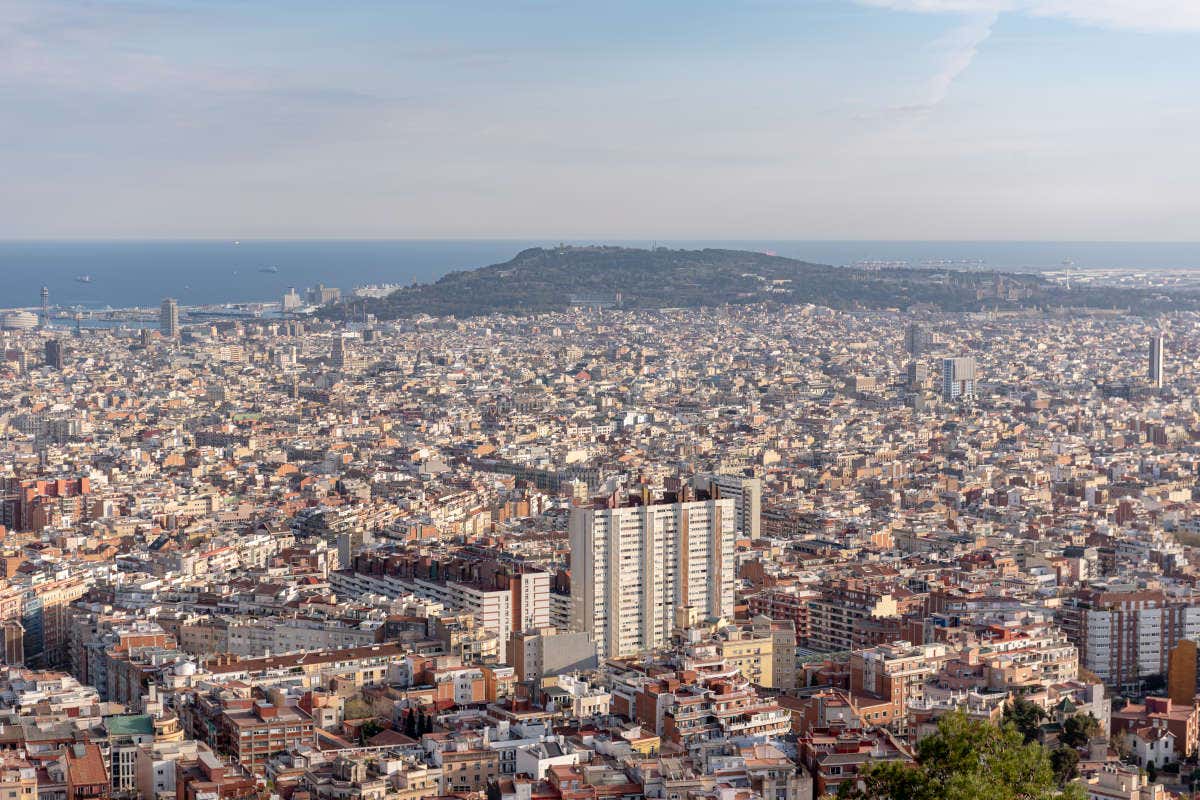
554	279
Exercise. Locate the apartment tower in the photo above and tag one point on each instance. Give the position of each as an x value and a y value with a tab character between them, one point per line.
634	563
1157	359
168	319
958	379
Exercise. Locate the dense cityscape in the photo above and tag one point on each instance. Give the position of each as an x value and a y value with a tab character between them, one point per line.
627	400
728	553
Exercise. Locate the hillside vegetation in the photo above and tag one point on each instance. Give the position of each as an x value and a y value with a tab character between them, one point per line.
554	279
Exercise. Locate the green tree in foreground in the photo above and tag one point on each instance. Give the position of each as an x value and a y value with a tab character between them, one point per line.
1026	717
1079	730
1065	761
965	760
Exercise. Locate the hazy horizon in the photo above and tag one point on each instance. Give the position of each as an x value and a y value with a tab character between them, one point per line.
574	241
128	272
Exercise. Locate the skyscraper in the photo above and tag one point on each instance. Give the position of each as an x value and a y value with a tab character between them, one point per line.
44	322
634	565
958	379
1157	358
917	374
54	354
168	319
916	340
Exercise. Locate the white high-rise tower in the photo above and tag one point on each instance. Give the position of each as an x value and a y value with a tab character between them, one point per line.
634	565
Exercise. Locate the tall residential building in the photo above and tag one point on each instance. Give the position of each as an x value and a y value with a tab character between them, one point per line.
1157	357
917	374
168	318
958	379
746	493
633	565
54	354
343	357
337	356
1124	635
916	340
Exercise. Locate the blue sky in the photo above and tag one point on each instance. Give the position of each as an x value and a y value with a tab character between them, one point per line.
837	119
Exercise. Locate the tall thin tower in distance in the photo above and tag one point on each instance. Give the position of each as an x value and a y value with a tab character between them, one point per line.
916	340
168	319
1157	359
45	321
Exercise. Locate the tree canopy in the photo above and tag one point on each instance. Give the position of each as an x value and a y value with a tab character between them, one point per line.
1079	730
966	759
540	280
1026	717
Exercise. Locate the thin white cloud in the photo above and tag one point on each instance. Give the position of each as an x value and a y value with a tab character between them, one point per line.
962	44
1133	15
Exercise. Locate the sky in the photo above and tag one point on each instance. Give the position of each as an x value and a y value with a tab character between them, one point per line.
672	119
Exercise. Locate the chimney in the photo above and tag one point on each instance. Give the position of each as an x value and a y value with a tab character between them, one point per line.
1158	705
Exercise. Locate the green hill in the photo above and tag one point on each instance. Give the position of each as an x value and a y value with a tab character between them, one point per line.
541	280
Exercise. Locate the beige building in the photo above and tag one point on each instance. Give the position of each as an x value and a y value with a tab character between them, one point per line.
750	652
18	778
783	650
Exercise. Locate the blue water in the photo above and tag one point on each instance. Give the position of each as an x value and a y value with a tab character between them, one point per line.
203	272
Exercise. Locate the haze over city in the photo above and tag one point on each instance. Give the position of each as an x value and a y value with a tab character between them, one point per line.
534	400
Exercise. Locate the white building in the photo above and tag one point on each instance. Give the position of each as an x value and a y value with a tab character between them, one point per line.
746	494
958	379
633	566
155	766
1152	745
521	606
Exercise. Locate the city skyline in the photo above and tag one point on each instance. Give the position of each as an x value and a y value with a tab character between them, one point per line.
554	400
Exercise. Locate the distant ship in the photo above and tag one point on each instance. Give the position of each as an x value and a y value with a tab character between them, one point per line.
269	270
83	278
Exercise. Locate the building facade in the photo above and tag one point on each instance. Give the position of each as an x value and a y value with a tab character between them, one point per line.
633	566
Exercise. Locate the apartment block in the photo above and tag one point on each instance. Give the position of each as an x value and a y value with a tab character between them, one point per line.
634	563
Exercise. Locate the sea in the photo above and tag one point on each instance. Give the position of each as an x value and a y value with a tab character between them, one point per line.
127	274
